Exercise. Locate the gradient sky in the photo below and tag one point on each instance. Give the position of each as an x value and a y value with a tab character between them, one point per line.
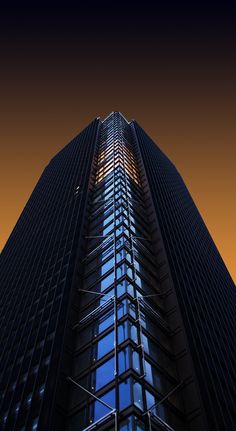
169	65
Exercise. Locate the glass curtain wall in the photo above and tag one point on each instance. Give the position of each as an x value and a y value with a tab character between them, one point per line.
124	375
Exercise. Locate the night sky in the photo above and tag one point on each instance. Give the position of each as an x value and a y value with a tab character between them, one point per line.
169	65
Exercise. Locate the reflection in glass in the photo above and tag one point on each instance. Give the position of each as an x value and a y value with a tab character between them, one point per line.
103	374
97	410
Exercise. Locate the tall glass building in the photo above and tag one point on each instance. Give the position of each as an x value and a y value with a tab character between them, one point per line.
117	311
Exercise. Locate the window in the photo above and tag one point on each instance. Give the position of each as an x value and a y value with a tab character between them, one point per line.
127	330
126	425
106	282
128	358
107	266
97	410
108	229
125	394
162	358
123	254
160	410
130	392
126	307
153	376
103	374
124	269
103	346
104	322
125	287
138	397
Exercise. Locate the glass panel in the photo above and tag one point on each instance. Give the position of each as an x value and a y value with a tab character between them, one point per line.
97	410
158	355
153	376
104	322
125	394
123	269
136	361
103	374
123	360
126	425
138	425
123	254
107	266
125	287
103	346
150	400
106	282
138	396
127	330
108	229
108	219
160	410
122	309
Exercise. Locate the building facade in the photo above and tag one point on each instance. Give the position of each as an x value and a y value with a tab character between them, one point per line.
117	312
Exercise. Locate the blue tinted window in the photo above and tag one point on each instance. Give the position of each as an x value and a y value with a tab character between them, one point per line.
149	347
150	399
138	397
153	376
138	425
123	361
108	219
108	295
107	281
103	346
106	253
126	307
127	330
105	322
107	266
128	358
126	425
160	410
103	374
120	242
125	394
122	309
123	254
98	410
123	287
135	361
123	270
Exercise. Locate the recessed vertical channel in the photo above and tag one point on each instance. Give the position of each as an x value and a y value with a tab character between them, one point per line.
124	375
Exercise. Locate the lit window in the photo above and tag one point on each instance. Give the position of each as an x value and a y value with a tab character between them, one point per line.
98	410
106	282
130	392
127	330
103	374
103	346
107	266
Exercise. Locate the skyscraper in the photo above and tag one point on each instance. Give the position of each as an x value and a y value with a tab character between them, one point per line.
117	311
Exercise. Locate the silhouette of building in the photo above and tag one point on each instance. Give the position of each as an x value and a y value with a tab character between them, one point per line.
117	311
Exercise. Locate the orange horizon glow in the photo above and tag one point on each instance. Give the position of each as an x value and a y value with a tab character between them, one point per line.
208	178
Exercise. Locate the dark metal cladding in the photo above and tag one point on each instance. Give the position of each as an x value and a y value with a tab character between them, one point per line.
117	311
36	267
204	289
